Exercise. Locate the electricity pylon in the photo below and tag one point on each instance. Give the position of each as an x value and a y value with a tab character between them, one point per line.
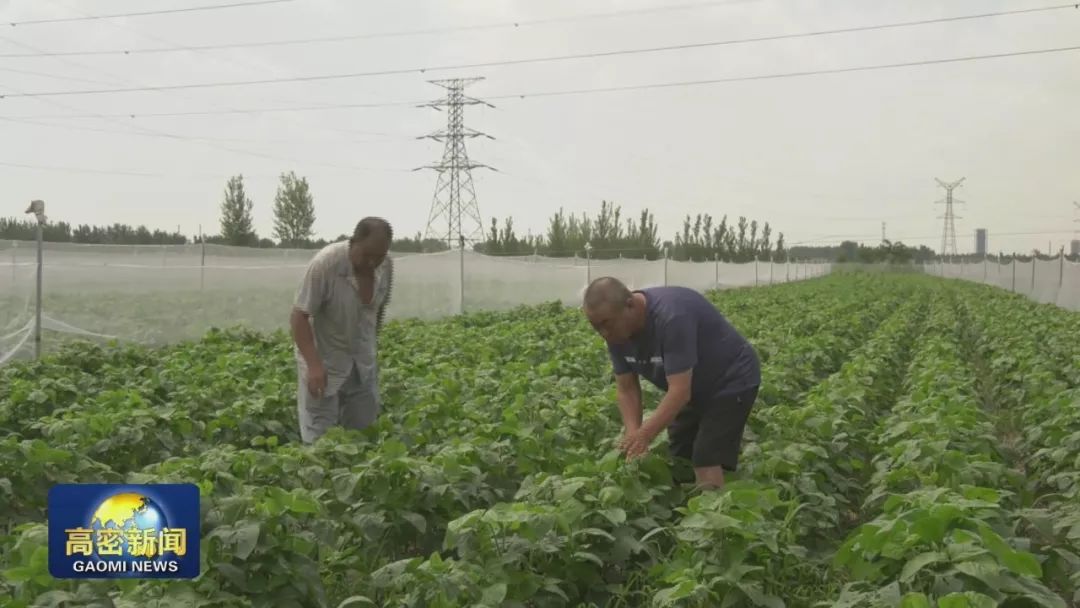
454	214
948	232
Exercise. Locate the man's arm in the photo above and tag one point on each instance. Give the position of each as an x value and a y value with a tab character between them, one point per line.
680	357
676	397
309	299
389	290
304	337
628	393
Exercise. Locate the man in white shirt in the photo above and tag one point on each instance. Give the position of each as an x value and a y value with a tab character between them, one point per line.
335	321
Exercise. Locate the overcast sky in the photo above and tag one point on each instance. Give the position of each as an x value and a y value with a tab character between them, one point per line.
815	156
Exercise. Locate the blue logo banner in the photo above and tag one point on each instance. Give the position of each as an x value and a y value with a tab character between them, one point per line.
124	531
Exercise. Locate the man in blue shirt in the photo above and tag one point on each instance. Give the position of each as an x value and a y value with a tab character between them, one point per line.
679	341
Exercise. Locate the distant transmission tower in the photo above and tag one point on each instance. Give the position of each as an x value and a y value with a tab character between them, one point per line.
948	232
454	214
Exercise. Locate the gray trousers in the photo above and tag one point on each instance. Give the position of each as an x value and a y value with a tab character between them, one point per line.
355	405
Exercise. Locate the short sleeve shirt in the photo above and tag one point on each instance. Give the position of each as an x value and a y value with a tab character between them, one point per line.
684	331
344	327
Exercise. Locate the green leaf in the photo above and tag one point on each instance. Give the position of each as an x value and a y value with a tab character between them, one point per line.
1018	561
917	563
494	595
356	600
610	495
987	572
915	600
667	597
246	538
417	521
616	516
566	491
19	575
968	599
583	555
1022	562
597	532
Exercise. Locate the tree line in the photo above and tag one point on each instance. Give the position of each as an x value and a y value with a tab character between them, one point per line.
609	235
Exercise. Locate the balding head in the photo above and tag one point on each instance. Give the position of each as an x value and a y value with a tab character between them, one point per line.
607	292
613	310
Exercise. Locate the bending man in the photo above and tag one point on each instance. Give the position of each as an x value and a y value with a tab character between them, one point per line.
335	320
677	340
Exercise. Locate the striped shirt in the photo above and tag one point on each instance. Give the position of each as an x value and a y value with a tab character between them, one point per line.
345	328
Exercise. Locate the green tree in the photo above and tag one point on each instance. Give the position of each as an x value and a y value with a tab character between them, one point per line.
237	225
741	245
294	211
766	236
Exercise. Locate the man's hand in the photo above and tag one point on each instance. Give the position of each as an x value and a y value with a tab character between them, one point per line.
316	379
636	443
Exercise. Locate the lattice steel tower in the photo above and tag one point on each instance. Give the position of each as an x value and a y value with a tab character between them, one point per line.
454	214
948	232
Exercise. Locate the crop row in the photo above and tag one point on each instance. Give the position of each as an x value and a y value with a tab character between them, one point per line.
913	444
592	535
946	527
761	542
1034	359
395	499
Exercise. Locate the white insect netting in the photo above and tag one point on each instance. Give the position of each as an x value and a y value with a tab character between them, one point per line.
162	294
1047	281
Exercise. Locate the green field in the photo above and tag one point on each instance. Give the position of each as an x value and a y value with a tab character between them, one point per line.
916	443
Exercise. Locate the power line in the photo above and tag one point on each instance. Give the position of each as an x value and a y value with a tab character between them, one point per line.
638	87
163	135
122	172
203	142
397	34
247	67
80	170
866	68
551	58
54	76
832	238
189	9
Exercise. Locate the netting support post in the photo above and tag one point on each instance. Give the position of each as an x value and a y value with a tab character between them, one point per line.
1034	261
787	270
1061	269
716	264
588	263
771	264
1014	274
202	260
667	253
461	274
14	261
37	207
37	298
755	273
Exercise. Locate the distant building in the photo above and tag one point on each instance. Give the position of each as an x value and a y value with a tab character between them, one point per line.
1074	247
980	241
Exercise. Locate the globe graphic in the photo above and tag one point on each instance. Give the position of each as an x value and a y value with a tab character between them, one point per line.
129	511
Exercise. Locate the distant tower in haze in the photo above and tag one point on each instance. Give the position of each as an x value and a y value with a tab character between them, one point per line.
948	232
980	241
